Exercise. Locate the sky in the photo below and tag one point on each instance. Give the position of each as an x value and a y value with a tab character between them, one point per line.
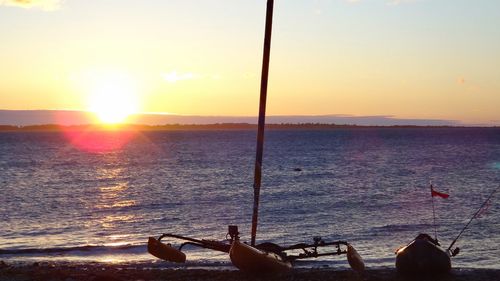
409	59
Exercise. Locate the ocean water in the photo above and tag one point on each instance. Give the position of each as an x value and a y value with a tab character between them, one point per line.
97	196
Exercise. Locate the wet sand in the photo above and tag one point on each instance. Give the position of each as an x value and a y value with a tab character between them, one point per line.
97	272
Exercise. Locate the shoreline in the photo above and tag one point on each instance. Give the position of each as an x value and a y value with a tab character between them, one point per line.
120	272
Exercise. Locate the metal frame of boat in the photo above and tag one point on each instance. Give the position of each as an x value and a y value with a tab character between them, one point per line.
265	257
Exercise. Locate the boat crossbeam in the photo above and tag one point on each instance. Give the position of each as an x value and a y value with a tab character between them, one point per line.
202	243
311	250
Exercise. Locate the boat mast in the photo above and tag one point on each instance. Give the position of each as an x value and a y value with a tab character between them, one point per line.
262	118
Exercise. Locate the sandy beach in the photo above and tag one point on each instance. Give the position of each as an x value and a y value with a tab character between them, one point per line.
101	272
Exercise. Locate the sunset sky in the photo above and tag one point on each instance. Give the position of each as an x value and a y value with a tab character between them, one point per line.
423	59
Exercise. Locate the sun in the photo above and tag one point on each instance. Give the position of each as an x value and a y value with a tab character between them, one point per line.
113	98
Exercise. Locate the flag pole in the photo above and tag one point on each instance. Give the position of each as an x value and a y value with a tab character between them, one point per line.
434	215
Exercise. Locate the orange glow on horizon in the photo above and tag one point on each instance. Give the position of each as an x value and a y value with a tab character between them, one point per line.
100	139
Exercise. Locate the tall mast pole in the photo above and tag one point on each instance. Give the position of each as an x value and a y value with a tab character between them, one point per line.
262	118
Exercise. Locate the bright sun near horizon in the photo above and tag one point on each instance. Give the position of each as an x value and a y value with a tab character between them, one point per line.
113	97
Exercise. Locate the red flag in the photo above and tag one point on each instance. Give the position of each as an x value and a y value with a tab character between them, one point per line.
438	194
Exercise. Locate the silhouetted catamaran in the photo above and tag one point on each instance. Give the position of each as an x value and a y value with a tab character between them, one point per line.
424	255
265	257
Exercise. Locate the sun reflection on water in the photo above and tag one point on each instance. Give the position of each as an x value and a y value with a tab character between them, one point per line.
118	204
112	221
112	189
113	195
112	200
118	239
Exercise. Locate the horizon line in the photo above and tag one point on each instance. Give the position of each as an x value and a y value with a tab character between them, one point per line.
217	126
79	117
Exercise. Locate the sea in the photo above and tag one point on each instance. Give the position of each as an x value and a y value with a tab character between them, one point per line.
96	196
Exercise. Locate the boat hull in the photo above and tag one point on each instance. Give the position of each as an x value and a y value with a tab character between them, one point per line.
354	259
252	260
165	252
422	257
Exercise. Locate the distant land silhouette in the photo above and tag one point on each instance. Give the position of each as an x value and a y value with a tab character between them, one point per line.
70	118
206	127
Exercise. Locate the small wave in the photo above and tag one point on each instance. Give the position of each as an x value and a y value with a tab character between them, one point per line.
86	248
399	227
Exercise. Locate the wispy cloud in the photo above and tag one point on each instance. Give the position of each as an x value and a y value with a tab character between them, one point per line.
174	76
398	2
48	5
388	2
